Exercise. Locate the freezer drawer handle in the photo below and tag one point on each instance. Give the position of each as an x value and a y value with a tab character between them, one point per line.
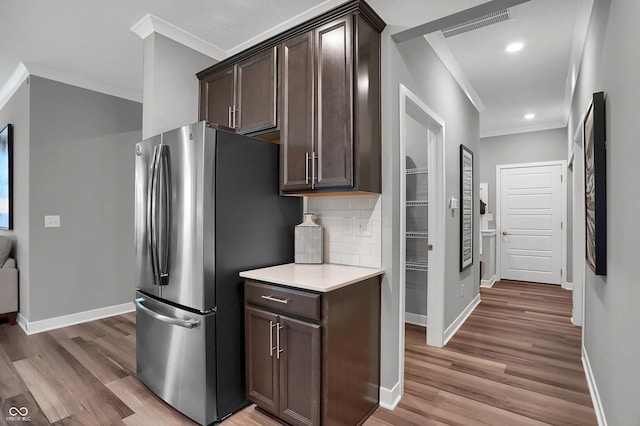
191	323
275	299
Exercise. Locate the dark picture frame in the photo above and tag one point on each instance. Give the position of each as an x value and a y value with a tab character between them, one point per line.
595	185
6	177
466	207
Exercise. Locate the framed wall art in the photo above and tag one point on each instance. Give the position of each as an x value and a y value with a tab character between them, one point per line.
595	181
466	207
6	177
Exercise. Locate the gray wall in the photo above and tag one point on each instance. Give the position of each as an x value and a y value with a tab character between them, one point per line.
416	65
16	112
612	317
81	168
170	92
530	147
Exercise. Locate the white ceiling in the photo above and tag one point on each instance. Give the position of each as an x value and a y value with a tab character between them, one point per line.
92	43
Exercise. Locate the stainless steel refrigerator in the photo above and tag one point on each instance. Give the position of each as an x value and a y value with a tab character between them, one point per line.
207	207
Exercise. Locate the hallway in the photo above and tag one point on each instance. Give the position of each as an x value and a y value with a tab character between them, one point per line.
516	360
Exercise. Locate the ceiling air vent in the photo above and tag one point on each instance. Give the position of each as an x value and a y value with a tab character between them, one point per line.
474	24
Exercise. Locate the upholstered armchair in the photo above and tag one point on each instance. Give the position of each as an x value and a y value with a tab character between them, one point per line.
8	282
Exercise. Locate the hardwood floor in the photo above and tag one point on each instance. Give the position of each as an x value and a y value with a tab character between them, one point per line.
516	361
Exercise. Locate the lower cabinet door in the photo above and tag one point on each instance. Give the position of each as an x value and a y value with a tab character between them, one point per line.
299	356
262	359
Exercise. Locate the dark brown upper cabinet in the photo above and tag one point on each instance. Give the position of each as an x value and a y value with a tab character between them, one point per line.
330	124
219	98
242	95
324	78
297	126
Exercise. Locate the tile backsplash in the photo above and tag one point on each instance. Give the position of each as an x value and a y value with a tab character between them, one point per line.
352	228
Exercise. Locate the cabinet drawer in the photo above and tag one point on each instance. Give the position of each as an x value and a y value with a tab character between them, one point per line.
282	299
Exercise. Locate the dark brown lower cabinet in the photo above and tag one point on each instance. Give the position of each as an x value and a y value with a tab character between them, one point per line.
313	358
283	366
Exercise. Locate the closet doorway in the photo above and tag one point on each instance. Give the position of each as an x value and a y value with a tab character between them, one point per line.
422	215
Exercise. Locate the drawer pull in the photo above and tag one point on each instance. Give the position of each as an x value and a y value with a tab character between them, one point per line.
275	299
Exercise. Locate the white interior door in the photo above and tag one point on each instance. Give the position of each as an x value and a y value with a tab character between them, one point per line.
531	223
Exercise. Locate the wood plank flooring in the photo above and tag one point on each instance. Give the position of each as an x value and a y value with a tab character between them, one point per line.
516	361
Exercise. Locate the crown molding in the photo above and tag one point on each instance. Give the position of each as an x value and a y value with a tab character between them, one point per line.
315	11
535	128
73	80
11	86
25	69
152	24
437	43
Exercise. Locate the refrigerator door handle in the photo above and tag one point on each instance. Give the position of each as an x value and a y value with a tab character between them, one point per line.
190	323
151	214
159	214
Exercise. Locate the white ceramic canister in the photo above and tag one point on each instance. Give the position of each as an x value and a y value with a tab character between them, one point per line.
308	241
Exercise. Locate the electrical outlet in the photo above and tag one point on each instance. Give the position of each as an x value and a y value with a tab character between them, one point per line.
347	226
462	291
363	227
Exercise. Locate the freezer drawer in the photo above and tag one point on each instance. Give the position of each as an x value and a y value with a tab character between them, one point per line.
175	355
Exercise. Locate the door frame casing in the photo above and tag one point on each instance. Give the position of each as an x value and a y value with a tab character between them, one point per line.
437	216
563	213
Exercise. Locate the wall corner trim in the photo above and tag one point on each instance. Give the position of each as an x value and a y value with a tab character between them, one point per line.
593	388
33	327
389	398
453	328
150	24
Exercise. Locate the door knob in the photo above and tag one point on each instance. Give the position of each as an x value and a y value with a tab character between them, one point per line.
505	233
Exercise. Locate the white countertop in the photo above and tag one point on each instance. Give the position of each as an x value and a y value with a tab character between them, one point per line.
322	277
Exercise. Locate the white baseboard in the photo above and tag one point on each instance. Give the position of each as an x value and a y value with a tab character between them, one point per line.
567	286
33	327
389	398
453	328
488	283
415	319
593	389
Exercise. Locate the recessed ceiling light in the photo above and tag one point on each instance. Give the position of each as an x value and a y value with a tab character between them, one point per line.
529	116
514	47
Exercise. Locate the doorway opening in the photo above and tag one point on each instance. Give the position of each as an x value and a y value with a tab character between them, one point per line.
422	218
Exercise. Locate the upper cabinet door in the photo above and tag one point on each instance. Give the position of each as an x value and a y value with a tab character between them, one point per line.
218	97
256	93
334	103
297	123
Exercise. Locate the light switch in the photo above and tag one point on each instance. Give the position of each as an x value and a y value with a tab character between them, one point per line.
52	221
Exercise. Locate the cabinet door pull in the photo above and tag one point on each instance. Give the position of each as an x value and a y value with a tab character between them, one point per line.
313	169
229	118
275	299
234	117
271	347
306	168
279	351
